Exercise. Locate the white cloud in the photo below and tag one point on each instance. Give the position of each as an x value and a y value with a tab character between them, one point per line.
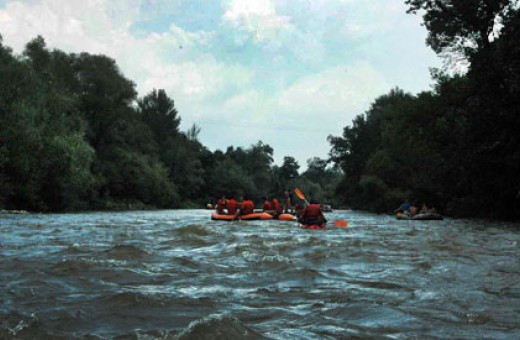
71	25
322	103
200	80
338	92
335	92
257	17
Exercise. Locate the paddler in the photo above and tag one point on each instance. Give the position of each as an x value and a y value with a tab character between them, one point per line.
221	205
231	206
267	205
312	214
287	202
276	206
246	207
404	207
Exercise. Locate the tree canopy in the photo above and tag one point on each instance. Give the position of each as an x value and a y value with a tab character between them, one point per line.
75	135
460	25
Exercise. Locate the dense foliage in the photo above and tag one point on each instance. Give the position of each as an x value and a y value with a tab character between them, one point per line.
74	136
456	147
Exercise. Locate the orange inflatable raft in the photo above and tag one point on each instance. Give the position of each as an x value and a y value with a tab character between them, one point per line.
254	216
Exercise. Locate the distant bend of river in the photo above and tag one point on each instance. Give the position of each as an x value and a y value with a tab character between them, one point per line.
177	274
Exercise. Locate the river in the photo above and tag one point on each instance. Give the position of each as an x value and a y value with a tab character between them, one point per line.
177	274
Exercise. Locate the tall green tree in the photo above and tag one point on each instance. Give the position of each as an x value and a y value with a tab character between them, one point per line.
492	125
486	118
47	160
229	178
327	177
128	164
359	148
183	158
460	25
159	112
289	169
106	97
256	161
179	151
285	176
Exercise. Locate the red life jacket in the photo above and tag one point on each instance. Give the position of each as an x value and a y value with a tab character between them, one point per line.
267	206
221	204
248	207
231	206
312	211
276	205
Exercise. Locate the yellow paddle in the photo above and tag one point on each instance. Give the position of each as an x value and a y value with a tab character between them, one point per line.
337	223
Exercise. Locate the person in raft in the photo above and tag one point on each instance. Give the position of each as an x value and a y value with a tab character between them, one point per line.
272	207
221	205
267	205
287	204
413	209
404	207
231	206
426	210
277	207
312	214
246	207
298	209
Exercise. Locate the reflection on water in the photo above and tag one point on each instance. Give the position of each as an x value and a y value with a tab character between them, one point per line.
177	273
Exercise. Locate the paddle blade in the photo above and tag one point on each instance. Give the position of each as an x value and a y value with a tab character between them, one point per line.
341	223
299	193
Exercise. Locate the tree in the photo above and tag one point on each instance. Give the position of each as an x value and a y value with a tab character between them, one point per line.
37	53
325	176
316	168
492	126
353	151
134	177
229	178
460	25
67	179
46	160
159	112
193	132
284	176
179	151
106	97
182	157
256	162
289	169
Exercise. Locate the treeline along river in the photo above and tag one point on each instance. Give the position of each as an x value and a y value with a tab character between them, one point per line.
168	274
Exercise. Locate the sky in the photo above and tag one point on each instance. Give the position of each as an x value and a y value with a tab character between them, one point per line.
286	72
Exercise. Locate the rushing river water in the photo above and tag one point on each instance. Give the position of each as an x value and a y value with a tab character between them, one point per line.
177	274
